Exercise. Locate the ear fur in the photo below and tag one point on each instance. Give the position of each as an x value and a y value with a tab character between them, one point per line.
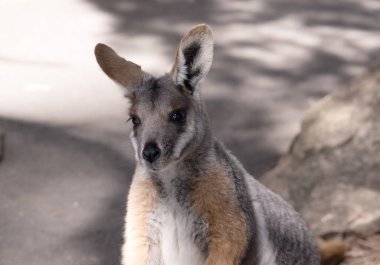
121	71
194	57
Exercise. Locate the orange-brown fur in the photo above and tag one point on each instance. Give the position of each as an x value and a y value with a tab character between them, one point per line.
214	199
179	104
141	200
332	252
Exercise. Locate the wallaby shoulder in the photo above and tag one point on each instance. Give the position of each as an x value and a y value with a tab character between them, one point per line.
277	228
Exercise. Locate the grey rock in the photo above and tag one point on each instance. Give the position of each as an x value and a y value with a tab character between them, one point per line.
331	173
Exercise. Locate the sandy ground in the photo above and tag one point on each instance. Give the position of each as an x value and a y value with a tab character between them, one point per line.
68	160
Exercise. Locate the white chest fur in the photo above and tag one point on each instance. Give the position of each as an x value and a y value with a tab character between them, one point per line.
177	243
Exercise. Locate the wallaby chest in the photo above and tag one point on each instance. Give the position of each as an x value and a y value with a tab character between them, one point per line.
182	233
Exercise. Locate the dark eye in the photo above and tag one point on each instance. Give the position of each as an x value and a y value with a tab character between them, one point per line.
178	116
135	120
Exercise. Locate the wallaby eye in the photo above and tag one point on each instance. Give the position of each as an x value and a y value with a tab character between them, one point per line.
135	120
178	116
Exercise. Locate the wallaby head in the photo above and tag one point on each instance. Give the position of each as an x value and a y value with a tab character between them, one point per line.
169	121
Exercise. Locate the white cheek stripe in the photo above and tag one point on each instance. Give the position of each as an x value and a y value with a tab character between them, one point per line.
135	146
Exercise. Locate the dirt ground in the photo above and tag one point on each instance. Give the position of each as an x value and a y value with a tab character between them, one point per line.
68	160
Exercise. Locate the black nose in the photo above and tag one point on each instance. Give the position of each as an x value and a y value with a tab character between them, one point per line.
151	152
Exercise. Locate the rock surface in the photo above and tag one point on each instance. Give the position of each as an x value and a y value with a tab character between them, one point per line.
331	173
364	252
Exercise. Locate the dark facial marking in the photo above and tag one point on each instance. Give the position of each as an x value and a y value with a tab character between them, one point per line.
184	90
155	85
154	91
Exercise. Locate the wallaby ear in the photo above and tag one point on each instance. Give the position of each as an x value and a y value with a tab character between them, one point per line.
194	57
117	68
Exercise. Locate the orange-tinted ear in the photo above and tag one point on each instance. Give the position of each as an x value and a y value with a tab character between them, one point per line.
117	68
194	57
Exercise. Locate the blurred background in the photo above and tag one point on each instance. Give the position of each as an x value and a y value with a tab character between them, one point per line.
67	158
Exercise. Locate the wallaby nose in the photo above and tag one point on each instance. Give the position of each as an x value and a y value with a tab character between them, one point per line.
151	152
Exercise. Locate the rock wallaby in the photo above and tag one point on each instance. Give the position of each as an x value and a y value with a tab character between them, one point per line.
191	202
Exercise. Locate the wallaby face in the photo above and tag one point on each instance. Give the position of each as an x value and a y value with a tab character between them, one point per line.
167	115
167	123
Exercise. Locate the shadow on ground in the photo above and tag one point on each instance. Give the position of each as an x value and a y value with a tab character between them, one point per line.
60	194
